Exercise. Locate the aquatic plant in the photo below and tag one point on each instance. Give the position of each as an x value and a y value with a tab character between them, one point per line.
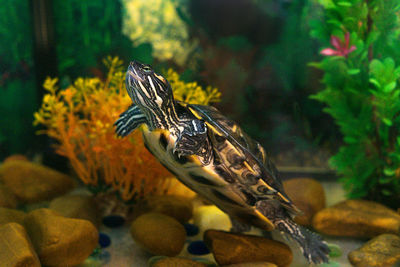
362	92
162	24
81	116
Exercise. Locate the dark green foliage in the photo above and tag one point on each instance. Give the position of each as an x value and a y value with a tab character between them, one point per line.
87	31
362	94
17	89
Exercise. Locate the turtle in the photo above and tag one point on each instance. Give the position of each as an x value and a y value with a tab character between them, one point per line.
213	156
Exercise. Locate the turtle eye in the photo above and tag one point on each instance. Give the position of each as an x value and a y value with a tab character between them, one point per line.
146	68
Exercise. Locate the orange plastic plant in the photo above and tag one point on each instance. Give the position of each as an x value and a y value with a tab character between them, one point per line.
81	119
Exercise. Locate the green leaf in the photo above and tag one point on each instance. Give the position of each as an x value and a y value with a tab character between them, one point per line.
398	140
375	82
386	192
389	87
387	121
389	172
353	71
344	3
335	251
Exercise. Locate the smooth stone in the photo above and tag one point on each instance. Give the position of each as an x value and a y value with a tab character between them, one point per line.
113	221
357	218
381	251
16	250
198	247
177	207
77	207
252	264
211	217
7	198
191	229
15	157
104	240
11	215
308	195
159	234
230	248
176	262
60	241
31	182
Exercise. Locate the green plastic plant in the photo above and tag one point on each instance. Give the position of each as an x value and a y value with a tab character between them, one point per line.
361	68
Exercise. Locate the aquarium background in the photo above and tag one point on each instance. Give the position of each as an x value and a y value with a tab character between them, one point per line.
255	52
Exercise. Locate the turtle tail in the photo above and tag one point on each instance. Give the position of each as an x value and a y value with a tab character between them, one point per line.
314	248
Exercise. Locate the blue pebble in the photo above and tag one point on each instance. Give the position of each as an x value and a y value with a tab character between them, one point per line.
191	229
198	248
113	221
104	240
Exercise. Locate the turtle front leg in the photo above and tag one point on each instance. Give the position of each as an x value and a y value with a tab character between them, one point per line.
192	139
129	120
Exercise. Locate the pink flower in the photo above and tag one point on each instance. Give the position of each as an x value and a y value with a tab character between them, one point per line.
342	48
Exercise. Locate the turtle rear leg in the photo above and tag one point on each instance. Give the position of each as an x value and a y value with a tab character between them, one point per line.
129	120
314	249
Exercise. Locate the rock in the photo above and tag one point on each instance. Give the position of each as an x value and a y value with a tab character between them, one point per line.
78	207
308	195
15	247
104	240
15	157
114	221
60	241
7	199
191	229
211	217
198	247
177	262
177	207
176	188
159	234
357	218
381	251
252	264
229	248
11	215
31	182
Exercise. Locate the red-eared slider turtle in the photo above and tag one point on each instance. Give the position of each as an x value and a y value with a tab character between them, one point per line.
213	156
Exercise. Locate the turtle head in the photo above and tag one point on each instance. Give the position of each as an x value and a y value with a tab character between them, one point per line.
151	92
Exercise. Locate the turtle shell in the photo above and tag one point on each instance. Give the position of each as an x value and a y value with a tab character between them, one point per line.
245	157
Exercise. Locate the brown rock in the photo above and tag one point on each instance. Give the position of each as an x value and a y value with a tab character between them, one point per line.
16	249
11	215
15	157
229	248
7	199
177	262
357	218
60	241
77	206
31	182
308	195
381	251
252	264
159	234
177	207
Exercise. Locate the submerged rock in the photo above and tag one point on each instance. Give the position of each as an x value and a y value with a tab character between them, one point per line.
229	248
60	241
381	251
78	207
177	207
15	157
357	218
308	195
7	198
16	250
159	234
198	247
11	215
31	182
252	264
176	262
211	217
